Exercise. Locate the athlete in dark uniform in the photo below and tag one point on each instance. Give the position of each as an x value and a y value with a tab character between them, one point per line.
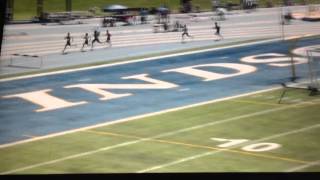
86	41
108	38
217	27
68	43
95	38
185	32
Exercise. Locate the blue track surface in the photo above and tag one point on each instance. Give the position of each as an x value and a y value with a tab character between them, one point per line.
18	117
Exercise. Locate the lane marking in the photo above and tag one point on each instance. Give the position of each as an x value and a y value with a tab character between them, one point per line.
146	139
315	163
215	152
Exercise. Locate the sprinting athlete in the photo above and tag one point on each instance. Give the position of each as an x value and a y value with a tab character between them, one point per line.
68	43
86	41
95	38
185	32
108	38
217	27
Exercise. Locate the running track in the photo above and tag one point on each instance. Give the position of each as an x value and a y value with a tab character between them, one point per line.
20	119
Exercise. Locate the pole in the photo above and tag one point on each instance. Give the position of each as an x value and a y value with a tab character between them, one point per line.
9	10
39	8
293	67
68	5
281	23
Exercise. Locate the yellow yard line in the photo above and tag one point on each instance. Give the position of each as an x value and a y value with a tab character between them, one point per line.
202	147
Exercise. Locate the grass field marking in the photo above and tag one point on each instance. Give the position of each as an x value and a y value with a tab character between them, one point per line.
234	151
69	157
177	162
202	147
257	103
112	134
136	117
145	139
314	163
138	60
215	152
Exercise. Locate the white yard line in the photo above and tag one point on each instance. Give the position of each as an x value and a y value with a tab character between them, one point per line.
177	162
71	157
150	138
218	151
315	163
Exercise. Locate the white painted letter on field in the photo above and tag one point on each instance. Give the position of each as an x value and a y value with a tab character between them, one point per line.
100	89
209	76
45	100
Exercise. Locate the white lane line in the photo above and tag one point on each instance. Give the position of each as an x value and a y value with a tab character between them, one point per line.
138	60
177	162
146	139
71	157
218	151
315	163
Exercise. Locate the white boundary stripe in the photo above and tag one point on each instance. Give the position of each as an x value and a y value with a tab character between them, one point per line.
146	139
71	157
218	151
134	118
303	166
138	60
177	162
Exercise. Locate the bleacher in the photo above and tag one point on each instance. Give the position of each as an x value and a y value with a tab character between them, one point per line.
59	17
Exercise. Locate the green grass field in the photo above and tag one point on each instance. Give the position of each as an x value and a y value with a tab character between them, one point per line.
26	9
256	135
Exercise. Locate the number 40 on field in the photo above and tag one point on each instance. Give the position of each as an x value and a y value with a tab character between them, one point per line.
257	147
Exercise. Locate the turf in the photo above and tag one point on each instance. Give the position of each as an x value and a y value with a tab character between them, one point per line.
26	9
180	141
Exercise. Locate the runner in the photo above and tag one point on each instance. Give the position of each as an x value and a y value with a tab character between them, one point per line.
68	43
108	38
185	32
217	27
96	38
86	41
